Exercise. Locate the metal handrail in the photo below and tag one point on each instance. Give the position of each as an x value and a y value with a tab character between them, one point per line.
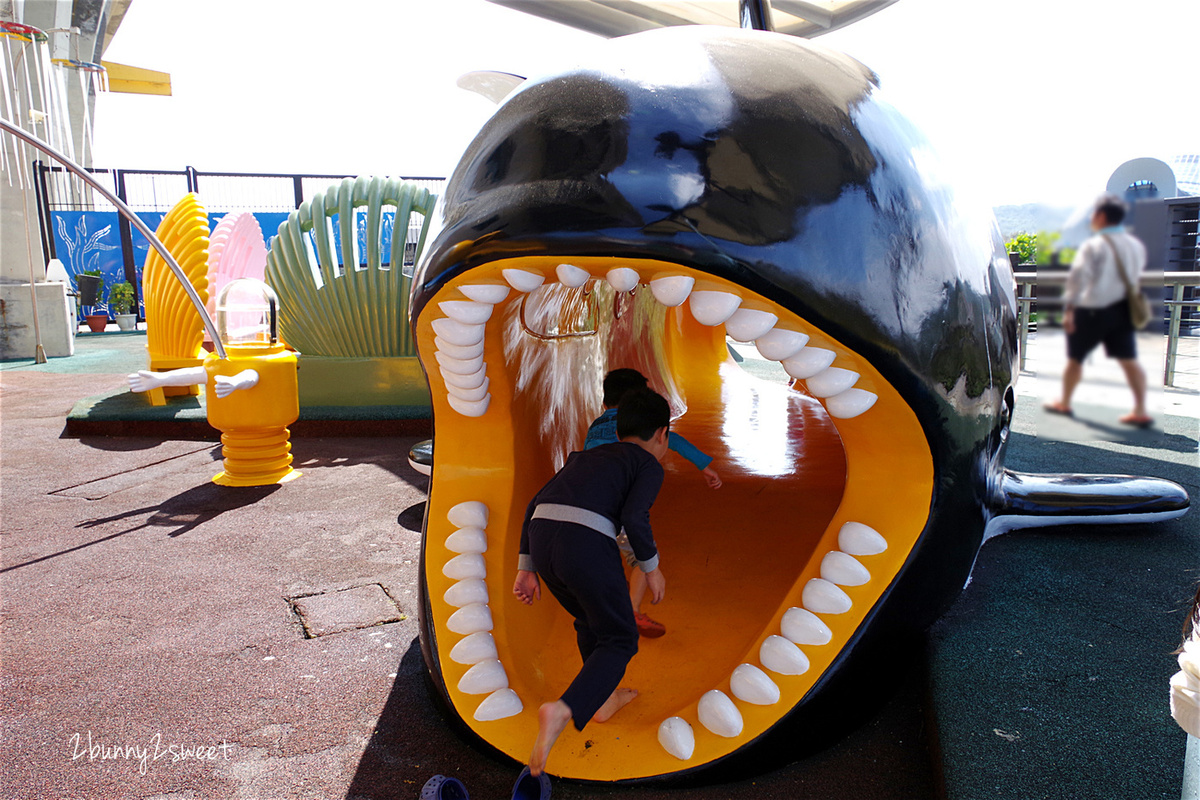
128	213
1028	281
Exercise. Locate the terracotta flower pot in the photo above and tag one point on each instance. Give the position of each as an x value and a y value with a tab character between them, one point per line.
97	322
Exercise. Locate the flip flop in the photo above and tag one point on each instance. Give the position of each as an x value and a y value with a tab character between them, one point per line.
1058	408
528	787
1136	420
439	787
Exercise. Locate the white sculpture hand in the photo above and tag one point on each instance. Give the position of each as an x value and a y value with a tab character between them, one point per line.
144	380
225	385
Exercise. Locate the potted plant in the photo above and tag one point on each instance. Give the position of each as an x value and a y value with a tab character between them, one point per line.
1022	249
120	302
91	288
90	284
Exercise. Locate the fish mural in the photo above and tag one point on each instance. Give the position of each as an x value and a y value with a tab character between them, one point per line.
684	187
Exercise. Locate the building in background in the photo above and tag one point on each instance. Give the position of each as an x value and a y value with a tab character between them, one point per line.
52	68
1164	198
1187	175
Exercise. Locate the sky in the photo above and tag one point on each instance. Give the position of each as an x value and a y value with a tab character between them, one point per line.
1026	101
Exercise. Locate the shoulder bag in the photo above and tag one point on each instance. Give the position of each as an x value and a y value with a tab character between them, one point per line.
1139	304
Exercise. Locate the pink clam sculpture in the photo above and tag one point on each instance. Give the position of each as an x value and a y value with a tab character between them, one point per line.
236	249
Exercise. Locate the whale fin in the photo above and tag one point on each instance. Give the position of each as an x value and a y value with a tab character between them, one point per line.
1032	501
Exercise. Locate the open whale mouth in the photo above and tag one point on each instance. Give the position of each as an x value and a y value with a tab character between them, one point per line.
827	487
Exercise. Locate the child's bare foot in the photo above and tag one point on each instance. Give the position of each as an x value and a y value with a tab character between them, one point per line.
552	719
615	702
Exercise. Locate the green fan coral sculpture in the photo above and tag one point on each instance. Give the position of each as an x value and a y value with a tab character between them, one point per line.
356	306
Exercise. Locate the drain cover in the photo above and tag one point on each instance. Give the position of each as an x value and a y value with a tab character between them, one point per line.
345	610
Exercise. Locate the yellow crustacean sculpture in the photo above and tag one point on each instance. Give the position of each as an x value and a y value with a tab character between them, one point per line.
174	330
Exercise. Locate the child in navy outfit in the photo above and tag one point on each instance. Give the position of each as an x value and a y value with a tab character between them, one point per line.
568	540
603	430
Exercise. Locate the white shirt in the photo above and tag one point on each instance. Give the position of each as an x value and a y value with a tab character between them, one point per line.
1093	281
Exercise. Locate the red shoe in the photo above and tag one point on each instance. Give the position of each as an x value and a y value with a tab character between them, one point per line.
650	628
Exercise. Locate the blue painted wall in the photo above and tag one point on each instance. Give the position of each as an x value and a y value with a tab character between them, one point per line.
91	240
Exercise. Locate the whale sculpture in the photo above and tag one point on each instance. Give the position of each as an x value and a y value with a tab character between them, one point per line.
689	185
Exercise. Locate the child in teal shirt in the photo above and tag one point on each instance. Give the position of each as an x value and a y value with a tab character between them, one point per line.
603	430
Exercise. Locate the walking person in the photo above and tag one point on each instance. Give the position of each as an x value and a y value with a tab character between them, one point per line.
1097	309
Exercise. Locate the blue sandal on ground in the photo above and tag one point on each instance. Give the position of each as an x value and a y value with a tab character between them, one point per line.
439	787
528	787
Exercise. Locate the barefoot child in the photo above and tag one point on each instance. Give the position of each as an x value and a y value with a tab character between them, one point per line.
603	430
568	539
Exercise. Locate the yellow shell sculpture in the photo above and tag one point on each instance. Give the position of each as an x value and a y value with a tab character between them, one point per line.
174	330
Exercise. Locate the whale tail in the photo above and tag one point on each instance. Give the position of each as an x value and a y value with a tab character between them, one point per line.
1032	501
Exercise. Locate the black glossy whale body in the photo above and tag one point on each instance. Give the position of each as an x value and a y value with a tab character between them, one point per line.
693	184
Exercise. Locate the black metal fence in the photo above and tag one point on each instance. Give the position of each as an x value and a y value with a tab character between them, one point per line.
77	223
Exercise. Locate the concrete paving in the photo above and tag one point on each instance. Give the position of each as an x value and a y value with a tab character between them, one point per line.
167	638
1104	388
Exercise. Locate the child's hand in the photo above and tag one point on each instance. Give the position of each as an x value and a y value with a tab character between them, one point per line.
527	587
657	585
711	477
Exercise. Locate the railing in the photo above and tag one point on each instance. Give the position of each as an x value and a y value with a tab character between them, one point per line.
127	214
81	227
159	190
1179	281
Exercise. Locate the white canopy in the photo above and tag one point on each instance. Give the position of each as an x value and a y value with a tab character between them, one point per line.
609	18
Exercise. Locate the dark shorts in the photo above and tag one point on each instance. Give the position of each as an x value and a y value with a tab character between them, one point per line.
1110	325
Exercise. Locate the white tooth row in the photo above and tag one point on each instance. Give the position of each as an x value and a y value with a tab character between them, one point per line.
473	619
781	654
459	336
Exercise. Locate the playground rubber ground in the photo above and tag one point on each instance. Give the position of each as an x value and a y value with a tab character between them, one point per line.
167	638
